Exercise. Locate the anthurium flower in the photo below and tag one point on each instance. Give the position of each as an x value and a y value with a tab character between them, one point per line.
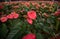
51	3
3	19
45	14
57	13
43	4
15	6
10	16
16	15
30	21
13	15
1	7
27	4
37	6
29	36
34	3
31	14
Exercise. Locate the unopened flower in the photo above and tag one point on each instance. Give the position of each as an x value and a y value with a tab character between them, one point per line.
15	6
45	14
25	16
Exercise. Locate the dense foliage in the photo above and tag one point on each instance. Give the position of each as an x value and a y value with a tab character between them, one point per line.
29	20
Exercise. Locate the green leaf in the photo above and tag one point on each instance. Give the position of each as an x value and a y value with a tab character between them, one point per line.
26	8
51	20
45	30
12	34
14	30
39	36
4	30
42	9
57	25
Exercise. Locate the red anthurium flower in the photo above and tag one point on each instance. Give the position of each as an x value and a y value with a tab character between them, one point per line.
37	6
15	6
34	3
10	16
30	21
51	3
27	4
1	7
43	4
13	15
45	14
57	13
29	36
31	14
16	15
3	19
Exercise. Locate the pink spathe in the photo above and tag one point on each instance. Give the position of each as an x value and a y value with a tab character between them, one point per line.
3	19
30	21
31	15
29	36
13	15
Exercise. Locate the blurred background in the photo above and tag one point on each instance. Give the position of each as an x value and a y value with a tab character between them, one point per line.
27	0
30	0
